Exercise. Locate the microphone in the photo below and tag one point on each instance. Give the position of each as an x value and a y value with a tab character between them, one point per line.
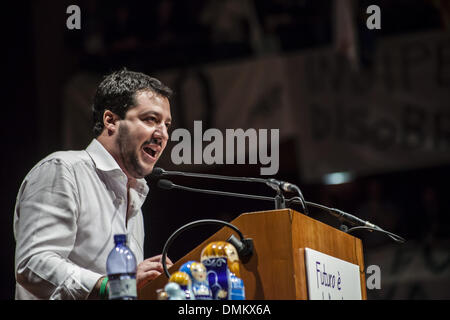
157	171
288	187
342	215
347	217
168	185
351	219
276	185
165	184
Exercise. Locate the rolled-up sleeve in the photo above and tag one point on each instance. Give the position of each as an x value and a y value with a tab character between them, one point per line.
45	227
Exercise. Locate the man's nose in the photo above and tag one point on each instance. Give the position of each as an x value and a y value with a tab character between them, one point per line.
161	131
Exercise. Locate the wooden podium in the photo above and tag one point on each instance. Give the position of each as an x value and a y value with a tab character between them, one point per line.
276	271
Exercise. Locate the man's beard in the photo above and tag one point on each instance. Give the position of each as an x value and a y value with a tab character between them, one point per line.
128	155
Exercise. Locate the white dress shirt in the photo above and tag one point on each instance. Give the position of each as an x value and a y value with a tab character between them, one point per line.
68	209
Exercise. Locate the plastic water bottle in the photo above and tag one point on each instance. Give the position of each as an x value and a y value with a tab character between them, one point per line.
121	270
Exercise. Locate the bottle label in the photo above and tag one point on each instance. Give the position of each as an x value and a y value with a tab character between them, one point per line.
122	288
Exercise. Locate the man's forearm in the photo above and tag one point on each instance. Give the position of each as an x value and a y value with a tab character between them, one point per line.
49	276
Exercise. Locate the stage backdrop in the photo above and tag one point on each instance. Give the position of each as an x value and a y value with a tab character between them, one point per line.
393	114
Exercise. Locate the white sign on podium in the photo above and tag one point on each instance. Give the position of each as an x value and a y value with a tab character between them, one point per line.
330	278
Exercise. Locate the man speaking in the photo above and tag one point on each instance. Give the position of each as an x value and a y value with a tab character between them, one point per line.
71	203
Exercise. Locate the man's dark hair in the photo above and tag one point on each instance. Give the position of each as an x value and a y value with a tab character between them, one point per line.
117	93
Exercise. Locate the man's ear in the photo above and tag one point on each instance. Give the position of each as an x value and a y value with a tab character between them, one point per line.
110	121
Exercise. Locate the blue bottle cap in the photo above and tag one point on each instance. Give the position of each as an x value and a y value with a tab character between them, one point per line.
120	238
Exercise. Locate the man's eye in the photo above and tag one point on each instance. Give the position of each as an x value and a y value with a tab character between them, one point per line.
150	119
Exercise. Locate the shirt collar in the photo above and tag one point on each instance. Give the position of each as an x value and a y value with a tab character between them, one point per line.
104	161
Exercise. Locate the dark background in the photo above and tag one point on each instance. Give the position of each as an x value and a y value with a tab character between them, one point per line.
42	55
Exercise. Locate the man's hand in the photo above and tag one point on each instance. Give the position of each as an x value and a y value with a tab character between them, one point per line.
149	269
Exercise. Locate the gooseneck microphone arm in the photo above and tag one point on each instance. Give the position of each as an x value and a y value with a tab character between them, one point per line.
351	219
341	215
167	185
158	172
277	185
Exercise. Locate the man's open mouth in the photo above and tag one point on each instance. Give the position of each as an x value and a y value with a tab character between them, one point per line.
150	151
153	147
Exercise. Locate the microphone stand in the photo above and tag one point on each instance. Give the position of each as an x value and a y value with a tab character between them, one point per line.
280	203
341	215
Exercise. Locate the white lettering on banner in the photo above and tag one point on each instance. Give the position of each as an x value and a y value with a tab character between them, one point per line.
330	278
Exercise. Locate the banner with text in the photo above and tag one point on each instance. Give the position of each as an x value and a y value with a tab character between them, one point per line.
392	116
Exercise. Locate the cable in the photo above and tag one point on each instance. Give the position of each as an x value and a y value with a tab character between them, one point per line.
244	247
302	200
312	204
391	235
